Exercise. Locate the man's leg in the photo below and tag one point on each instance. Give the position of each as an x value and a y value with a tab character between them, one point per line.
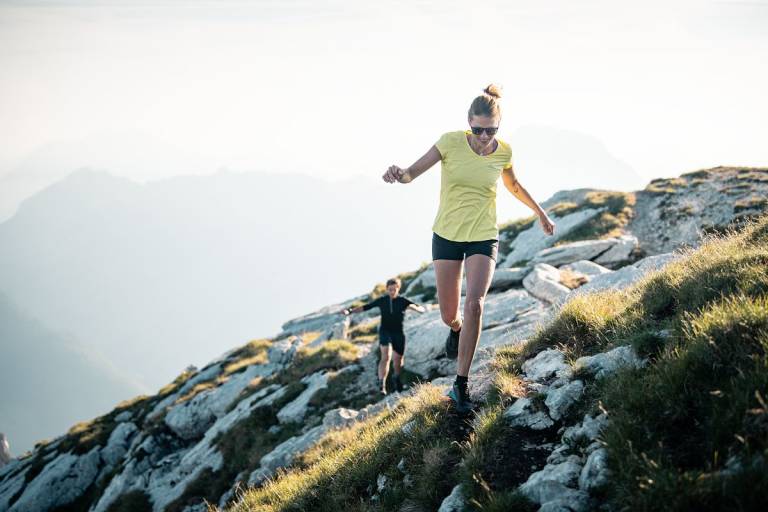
386	353
397	363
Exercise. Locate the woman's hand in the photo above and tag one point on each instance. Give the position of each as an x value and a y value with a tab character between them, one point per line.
393	174
546	223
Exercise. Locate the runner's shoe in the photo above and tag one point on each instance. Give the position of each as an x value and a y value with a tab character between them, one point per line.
460	398
452	344
398	383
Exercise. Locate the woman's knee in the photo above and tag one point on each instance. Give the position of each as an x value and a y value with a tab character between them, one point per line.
474	305
451	319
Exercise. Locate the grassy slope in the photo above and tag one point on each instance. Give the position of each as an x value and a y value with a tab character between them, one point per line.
702	323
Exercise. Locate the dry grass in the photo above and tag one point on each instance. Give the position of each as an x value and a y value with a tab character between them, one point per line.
572	279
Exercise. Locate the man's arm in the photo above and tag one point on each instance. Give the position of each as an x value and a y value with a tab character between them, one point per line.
360	309
417	307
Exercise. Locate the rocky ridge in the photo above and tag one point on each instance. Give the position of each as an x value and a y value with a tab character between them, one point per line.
238	420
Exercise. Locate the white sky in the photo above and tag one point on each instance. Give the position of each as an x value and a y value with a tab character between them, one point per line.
344	88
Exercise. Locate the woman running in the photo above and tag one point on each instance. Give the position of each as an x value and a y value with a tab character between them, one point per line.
465	227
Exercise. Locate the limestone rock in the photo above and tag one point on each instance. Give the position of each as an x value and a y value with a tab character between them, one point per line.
607	363
191	418
595	473
294	411
544	283
5	450
552	482
284	453
588	268
560	400
529	242
574	251
625	276
586	431
454	502
546	365
619	252
340	417
61	482
523	413
506	277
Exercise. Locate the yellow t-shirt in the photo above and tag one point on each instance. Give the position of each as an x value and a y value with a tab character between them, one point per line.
467	211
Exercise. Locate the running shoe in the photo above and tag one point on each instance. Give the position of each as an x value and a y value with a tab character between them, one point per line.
460	398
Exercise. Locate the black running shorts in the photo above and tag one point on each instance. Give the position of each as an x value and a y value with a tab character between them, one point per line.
397	339
443	249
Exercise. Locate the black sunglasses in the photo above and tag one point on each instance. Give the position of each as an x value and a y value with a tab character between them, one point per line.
477	130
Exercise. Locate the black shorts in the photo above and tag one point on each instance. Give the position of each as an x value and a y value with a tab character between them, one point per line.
443	249
397	339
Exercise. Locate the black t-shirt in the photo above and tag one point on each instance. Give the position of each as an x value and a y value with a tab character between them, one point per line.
392	311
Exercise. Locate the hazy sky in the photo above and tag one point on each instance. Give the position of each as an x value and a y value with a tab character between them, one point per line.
342	88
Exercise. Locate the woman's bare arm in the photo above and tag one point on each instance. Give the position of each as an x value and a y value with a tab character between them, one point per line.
419	167
517	190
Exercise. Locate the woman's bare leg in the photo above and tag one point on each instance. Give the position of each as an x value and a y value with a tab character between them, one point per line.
479	273
448	275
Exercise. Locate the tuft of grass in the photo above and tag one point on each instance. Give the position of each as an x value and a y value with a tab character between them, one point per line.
364	329
572	279
619	209
511	229
330	355
254	352
663	186
751	203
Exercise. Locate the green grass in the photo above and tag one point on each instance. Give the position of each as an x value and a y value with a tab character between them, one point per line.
497	460
701	400
253	352
619	208
330	355
703	324
751	203
664	186
340	473
510	230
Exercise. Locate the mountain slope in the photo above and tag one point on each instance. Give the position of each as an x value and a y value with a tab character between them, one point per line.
573	357
50	381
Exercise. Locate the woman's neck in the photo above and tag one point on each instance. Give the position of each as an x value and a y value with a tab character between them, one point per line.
484	150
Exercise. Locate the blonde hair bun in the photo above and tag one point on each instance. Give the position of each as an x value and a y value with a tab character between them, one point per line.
493	90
